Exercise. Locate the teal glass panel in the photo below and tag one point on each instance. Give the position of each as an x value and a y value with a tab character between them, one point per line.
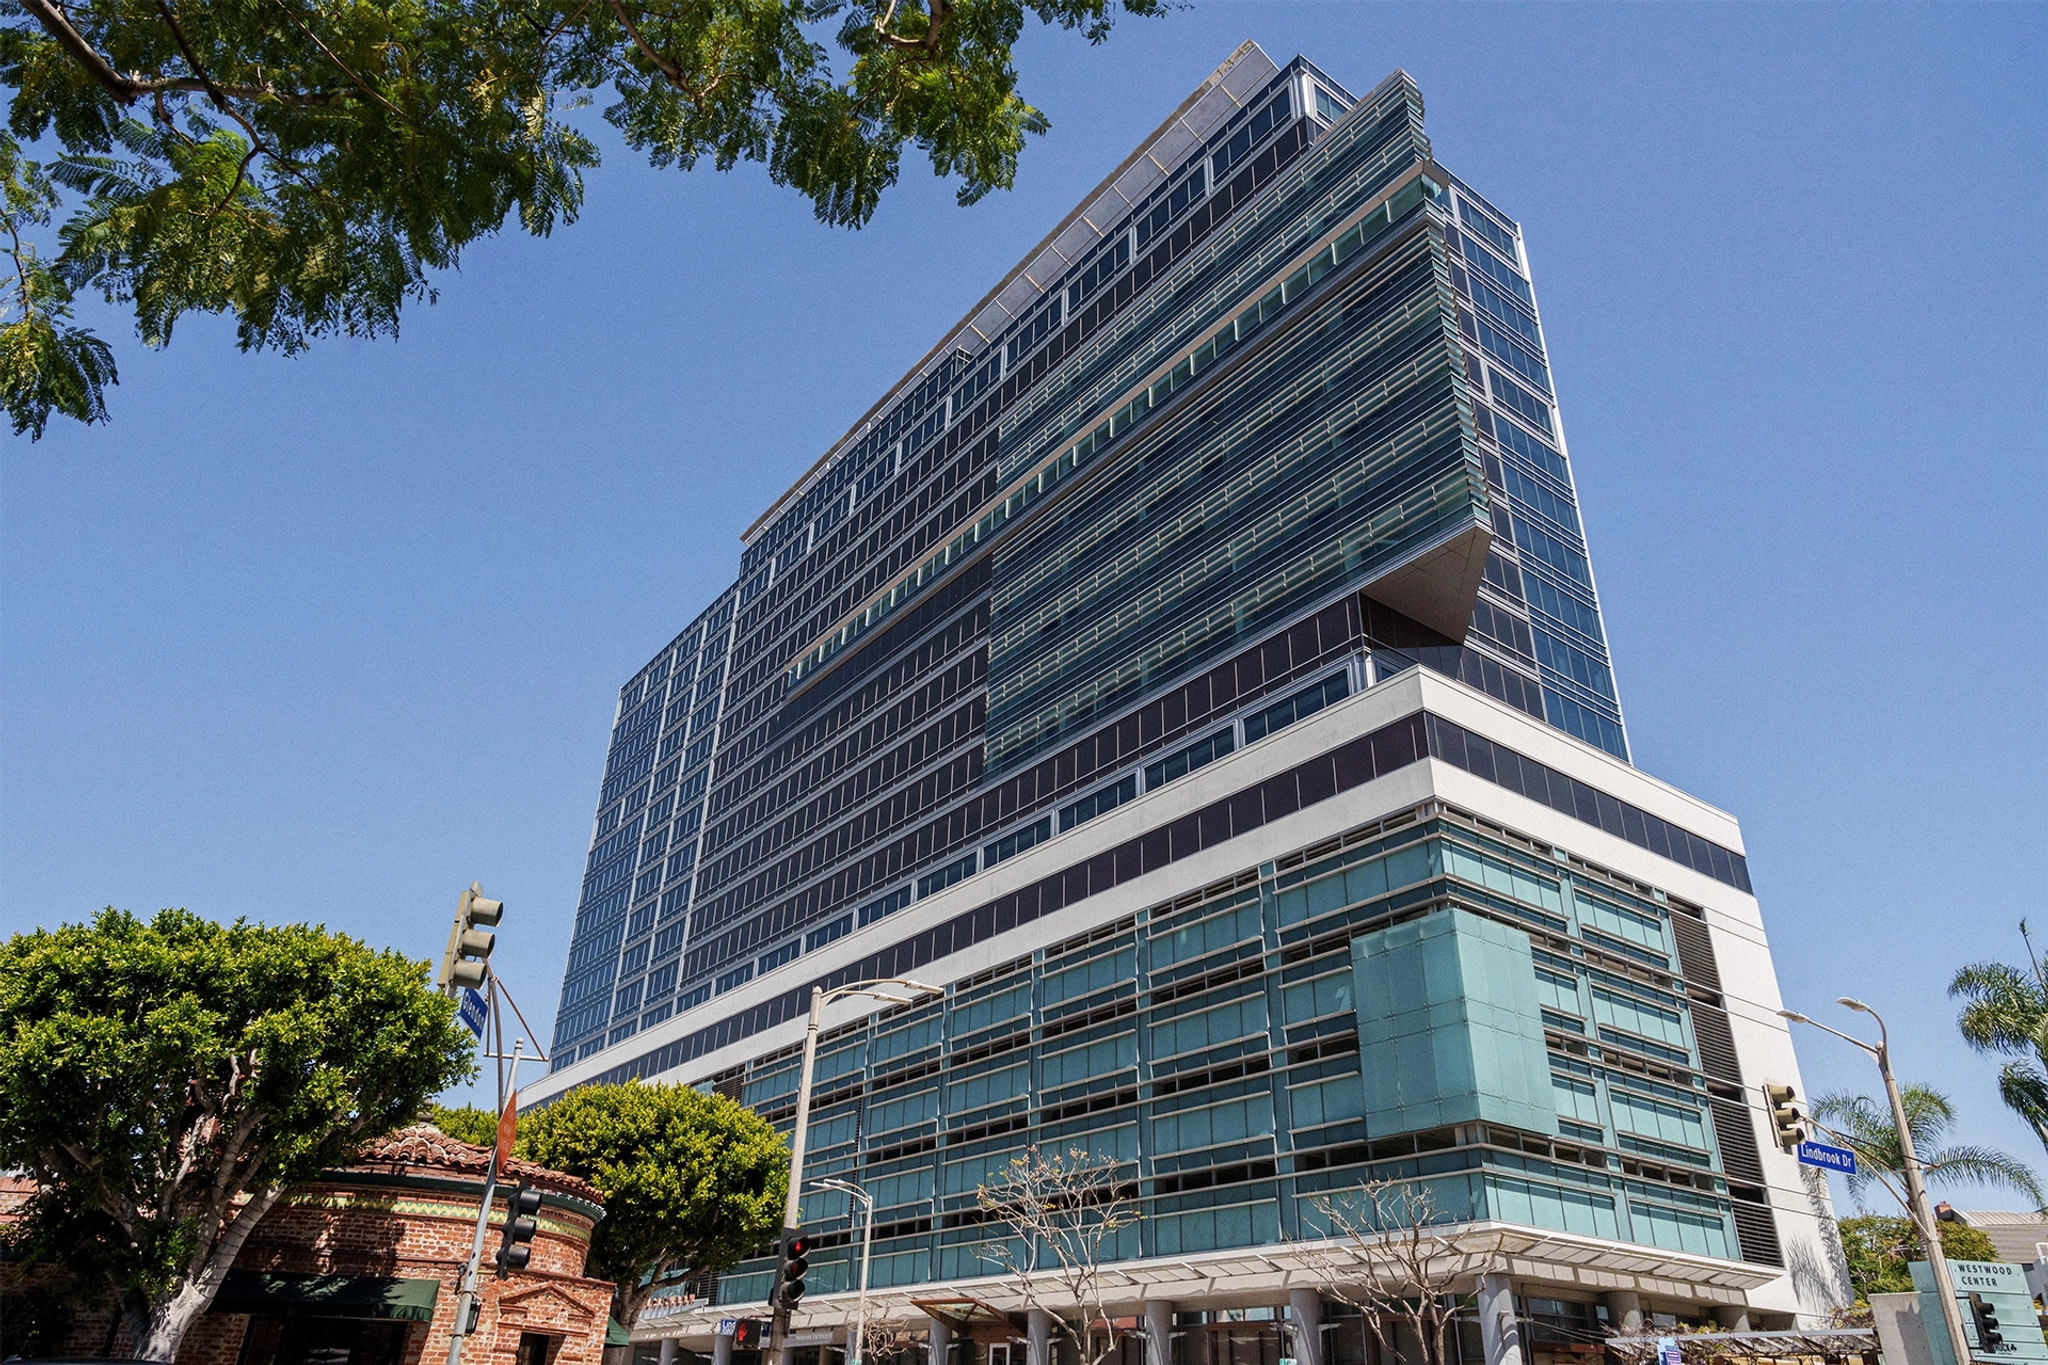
1450	1029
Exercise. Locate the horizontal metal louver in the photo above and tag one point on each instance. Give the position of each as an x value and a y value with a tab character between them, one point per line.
1757	1231
1717	1043
1739	1155
1695	951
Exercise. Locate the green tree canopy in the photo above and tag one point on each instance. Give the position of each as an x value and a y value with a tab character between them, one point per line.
2006	1013
1866	1128
165	1081
478	1127
691	1182
307	167
1879	1248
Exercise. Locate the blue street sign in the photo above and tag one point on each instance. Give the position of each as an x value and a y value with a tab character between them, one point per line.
474	1011
1827	1158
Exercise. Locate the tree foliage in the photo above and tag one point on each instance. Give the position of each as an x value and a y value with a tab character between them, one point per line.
164	1081
1879	1249
478	1127
1866	1128
306	166
691	1182
2006	1013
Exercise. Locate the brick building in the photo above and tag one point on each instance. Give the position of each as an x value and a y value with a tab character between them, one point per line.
362	1267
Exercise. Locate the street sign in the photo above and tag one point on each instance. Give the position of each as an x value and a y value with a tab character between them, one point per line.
473	1010
726	1326
1996	1285
1827	1158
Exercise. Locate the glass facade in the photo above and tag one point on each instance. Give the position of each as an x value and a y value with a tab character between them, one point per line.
1213	1046
1268	423
1289	404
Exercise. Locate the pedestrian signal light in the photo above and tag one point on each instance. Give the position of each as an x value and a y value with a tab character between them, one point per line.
746	1334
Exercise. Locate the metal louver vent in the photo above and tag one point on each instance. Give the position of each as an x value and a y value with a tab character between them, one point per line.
1757	1232
1695	951
1717	1043
1739	1155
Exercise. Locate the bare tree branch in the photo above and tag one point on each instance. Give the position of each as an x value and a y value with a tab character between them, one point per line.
1066	1214
1394	1261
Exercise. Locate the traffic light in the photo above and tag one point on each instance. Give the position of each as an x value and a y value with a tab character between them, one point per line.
468	944
1985	1314
746	1334
789	1278
520	1227
1786	1120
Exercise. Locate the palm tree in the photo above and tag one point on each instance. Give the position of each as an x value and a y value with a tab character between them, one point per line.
1865	1127
2007	1014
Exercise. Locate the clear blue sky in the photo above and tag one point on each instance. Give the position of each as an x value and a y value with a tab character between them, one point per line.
328	637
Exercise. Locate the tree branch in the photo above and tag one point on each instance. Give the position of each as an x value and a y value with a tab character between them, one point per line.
131	88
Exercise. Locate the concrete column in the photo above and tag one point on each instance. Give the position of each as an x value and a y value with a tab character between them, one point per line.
721	1349
1624	1311
1733	1317
786	1356
1041	1337
668	1351
1305	1324
941	1344
1158	1332
1498	1330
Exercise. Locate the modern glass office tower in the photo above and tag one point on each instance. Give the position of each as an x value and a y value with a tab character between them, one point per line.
1194	667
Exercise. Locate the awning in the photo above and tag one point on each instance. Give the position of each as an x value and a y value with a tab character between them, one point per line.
327	1296
615	1335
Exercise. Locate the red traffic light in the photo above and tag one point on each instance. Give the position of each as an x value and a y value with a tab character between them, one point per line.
747	1334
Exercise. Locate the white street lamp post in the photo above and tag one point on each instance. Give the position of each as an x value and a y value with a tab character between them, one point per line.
857	1344
1916	1189
890	991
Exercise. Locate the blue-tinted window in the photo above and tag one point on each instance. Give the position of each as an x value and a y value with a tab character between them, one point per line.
781	953
887	905
1541	499
1095	803
1179	764
945	876
1010	845
1503	310
1106	266
1510	353
1539	455
824	934
1500	272
1533	540
1306	702
737	976
694	997
1475	218
1519	400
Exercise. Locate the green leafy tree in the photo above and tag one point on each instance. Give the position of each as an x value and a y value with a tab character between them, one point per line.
470	1124
691	1182
1866	1128
1880	1248
165	1081
2006	1013
307	167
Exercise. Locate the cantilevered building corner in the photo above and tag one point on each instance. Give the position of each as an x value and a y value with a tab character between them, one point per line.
1194	667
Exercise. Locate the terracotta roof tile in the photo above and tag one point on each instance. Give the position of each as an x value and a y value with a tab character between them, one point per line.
425	1145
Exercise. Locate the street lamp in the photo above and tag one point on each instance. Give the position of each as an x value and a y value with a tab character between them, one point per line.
867	1245
893	990
1916	1189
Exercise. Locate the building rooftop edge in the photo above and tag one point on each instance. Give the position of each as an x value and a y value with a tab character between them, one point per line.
1215	79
